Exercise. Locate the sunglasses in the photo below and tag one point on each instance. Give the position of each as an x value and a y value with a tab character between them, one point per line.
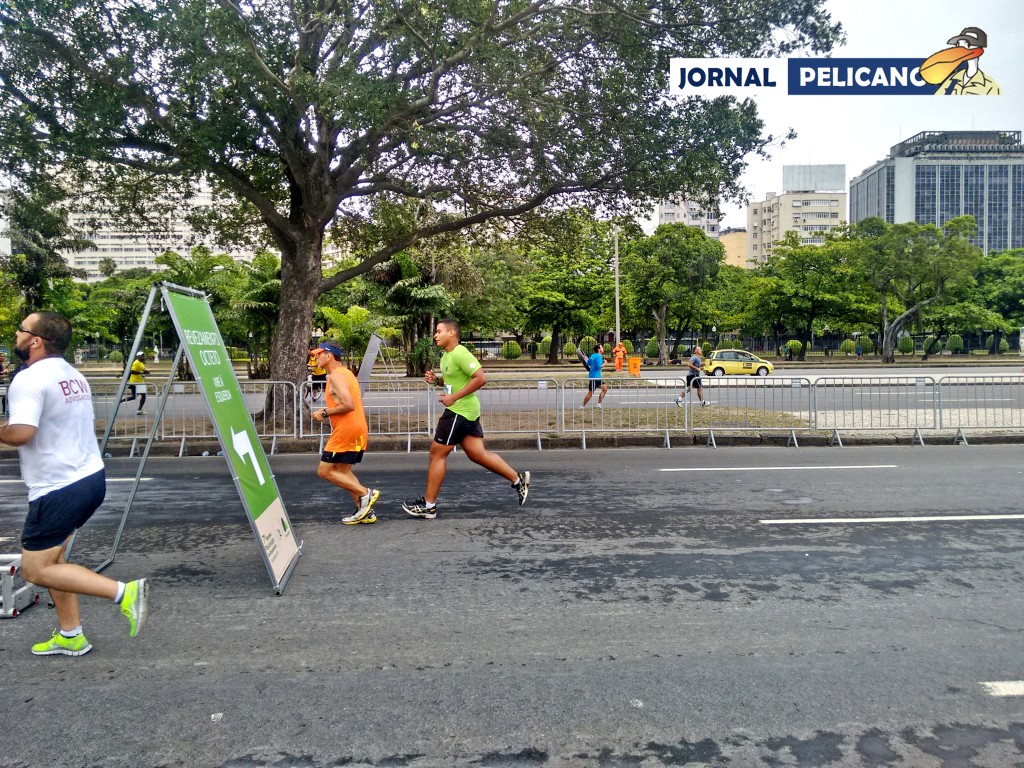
23	329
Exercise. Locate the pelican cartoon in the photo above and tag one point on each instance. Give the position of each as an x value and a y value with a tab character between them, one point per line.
955	70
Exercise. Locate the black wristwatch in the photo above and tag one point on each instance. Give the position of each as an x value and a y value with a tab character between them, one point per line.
323	413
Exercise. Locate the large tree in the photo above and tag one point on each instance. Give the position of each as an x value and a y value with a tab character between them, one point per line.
306	111
815	283
913	266
669	271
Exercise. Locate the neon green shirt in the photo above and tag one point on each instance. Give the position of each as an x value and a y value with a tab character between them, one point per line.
457	367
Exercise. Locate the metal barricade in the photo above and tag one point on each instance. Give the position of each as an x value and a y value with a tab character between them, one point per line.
518	406
271	404
875	403
631	405
392	406
974	402
754	404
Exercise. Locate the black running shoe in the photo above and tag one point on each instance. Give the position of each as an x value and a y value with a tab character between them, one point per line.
523	487
419	508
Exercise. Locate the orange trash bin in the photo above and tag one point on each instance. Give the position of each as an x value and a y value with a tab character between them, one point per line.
634	366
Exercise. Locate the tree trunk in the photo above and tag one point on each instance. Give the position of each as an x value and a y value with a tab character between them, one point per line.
300	286
556	346
659	318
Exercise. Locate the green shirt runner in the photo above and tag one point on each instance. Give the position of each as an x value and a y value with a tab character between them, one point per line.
456	368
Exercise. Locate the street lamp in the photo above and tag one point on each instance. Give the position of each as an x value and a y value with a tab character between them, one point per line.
615	232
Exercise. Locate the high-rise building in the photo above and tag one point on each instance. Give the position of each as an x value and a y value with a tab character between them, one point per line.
686	212
938	175
128	249
813	202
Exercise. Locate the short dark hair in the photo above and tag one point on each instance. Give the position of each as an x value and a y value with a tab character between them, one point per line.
54	330
597	348
452	324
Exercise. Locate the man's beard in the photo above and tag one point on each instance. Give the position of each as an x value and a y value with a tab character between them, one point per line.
22	354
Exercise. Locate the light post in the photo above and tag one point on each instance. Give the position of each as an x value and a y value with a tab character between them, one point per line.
714	336
615	232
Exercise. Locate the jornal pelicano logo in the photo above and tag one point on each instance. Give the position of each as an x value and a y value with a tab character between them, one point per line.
952	71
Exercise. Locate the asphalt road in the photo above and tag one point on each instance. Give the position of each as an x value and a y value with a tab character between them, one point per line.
647	607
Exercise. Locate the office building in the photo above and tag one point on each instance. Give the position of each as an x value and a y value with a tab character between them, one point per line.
937	175
813	201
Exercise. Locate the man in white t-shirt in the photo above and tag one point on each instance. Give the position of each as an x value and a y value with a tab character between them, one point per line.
53	426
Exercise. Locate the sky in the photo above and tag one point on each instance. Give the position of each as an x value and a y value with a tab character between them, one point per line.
860	130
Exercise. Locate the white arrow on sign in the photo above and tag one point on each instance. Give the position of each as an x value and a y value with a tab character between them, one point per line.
243	446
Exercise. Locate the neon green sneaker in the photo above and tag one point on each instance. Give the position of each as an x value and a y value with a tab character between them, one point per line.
133	605
65	646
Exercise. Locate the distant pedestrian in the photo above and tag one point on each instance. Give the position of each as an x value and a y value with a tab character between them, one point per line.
53	426
461	376
619	353
693	378
349	432
137	380
860	351
594	364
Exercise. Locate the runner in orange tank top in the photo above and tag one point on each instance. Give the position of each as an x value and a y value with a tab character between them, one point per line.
349	433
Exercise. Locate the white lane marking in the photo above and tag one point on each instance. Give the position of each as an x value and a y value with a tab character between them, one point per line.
923	519
6	538
1004	688
109	480
763	469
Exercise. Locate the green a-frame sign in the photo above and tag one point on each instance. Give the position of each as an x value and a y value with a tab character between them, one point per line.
200	341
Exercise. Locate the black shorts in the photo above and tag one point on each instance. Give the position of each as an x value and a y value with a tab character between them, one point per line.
693	380
452	428
595	384
341	457
58	514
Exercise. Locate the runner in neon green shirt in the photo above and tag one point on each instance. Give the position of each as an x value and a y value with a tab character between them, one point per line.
461	376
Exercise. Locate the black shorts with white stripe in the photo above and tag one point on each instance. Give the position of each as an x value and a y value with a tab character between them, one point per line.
452	428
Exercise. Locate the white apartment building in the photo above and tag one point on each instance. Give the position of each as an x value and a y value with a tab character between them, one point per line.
685	212
812	203
130	250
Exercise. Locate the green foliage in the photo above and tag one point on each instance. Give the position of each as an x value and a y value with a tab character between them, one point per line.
299	114
1004	346
905	345
511	350
955	343
628	344
544	348
795	346
351	329
931	346
116	356
867	346
652	349
569	349
668	273
847	347
587	344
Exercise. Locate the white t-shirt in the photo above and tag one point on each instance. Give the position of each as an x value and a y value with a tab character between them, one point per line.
56	399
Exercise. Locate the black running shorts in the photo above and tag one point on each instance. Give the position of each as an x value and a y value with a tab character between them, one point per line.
693	379
595	384
452	428
341	457
58	514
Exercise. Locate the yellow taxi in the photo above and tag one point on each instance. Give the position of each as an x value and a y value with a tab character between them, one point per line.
723	361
